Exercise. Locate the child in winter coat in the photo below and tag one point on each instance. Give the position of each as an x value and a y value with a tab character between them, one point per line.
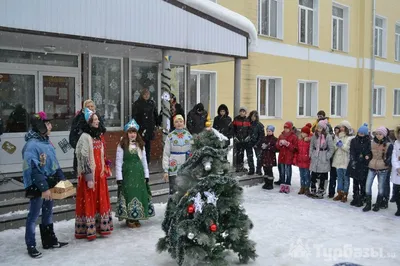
395	177
241	139
269	157
256	137
341	161
286	145
223	123
360	150
321	152
303	159
132	174
381	155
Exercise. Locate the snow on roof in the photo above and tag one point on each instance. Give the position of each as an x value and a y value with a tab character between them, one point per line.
226	15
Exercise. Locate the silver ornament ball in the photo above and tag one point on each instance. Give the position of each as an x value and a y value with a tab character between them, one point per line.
190	235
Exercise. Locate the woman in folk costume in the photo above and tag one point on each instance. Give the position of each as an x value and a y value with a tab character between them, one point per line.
93	209
132	172
176	150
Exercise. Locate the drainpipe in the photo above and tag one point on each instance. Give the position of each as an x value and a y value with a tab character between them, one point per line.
236	95
371	113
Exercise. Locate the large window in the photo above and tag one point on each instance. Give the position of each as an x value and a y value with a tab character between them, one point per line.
380	37
106	89
202	89
340	25
17	101
270	18
396	102
269	92
378	107
307	99
397	46
338	100
144	75
308	22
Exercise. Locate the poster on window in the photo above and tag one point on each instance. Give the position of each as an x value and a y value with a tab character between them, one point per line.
63	93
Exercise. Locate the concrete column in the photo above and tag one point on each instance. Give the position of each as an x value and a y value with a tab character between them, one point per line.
236	95
166	93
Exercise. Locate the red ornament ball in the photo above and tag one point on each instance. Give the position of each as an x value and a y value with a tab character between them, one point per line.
213	228
190	209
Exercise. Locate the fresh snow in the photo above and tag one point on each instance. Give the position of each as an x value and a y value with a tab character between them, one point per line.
289	229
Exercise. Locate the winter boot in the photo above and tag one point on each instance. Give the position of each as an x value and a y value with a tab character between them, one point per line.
344	198
282	188
49	239
306	191
265	186
270	182
301	191
312	193
320	194
368	203
287	189
34	253
339	196
251	171
377	204
355	199
384	203
393	199
258	171
360	201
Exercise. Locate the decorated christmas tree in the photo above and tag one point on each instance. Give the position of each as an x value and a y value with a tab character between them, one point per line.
205	218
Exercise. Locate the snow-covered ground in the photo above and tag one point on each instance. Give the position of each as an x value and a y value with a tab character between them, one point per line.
288	229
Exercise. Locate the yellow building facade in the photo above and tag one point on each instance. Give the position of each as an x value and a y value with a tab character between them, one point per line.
316	55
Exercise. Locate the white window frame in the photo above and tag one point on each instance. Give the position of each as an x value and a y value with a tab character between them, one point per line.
397	42
344	99
394	102
383	102
122	87
213	91
279	19
314	98
384	36
346	27
278	96
315	29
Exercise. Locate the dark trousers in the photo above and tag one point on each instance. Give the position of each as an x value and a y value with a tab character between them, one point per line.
386	188
147	147
75	166
35	206
268	171
322	179
359	187
258	152
172	185
240	148
332	181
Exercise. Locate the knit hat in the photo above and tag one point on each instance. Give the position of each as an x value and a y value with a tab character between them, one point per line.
288	125
271	127
306	129
38	122
345	124
382	130
323	124
243	108
363	129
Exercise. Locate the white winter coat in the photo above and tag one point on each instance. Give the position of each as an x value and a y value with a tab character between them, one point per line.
177	148
341	157
395	177
119	160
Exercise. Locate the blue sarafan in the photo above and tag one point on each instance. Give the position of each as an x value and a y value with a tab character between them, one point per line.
204	218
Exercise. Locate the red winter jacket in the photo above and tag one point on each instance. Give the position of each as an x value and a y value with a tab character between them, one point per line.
302	157
286	154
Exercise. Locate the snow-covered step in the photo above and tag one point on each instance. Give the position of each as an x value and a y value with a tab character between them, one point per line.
65	209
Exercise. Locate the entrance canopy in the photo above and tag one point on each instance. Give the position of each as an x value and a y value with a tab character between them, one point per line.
192	36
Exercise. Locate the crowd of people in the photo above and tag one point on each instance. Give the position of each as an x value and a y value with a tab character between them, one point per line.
316	149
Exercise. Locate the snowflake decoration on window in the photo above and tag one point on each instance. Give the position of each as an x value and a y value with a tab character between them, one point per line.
113	85
138	73
114	68
97	98
150	75
151	89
